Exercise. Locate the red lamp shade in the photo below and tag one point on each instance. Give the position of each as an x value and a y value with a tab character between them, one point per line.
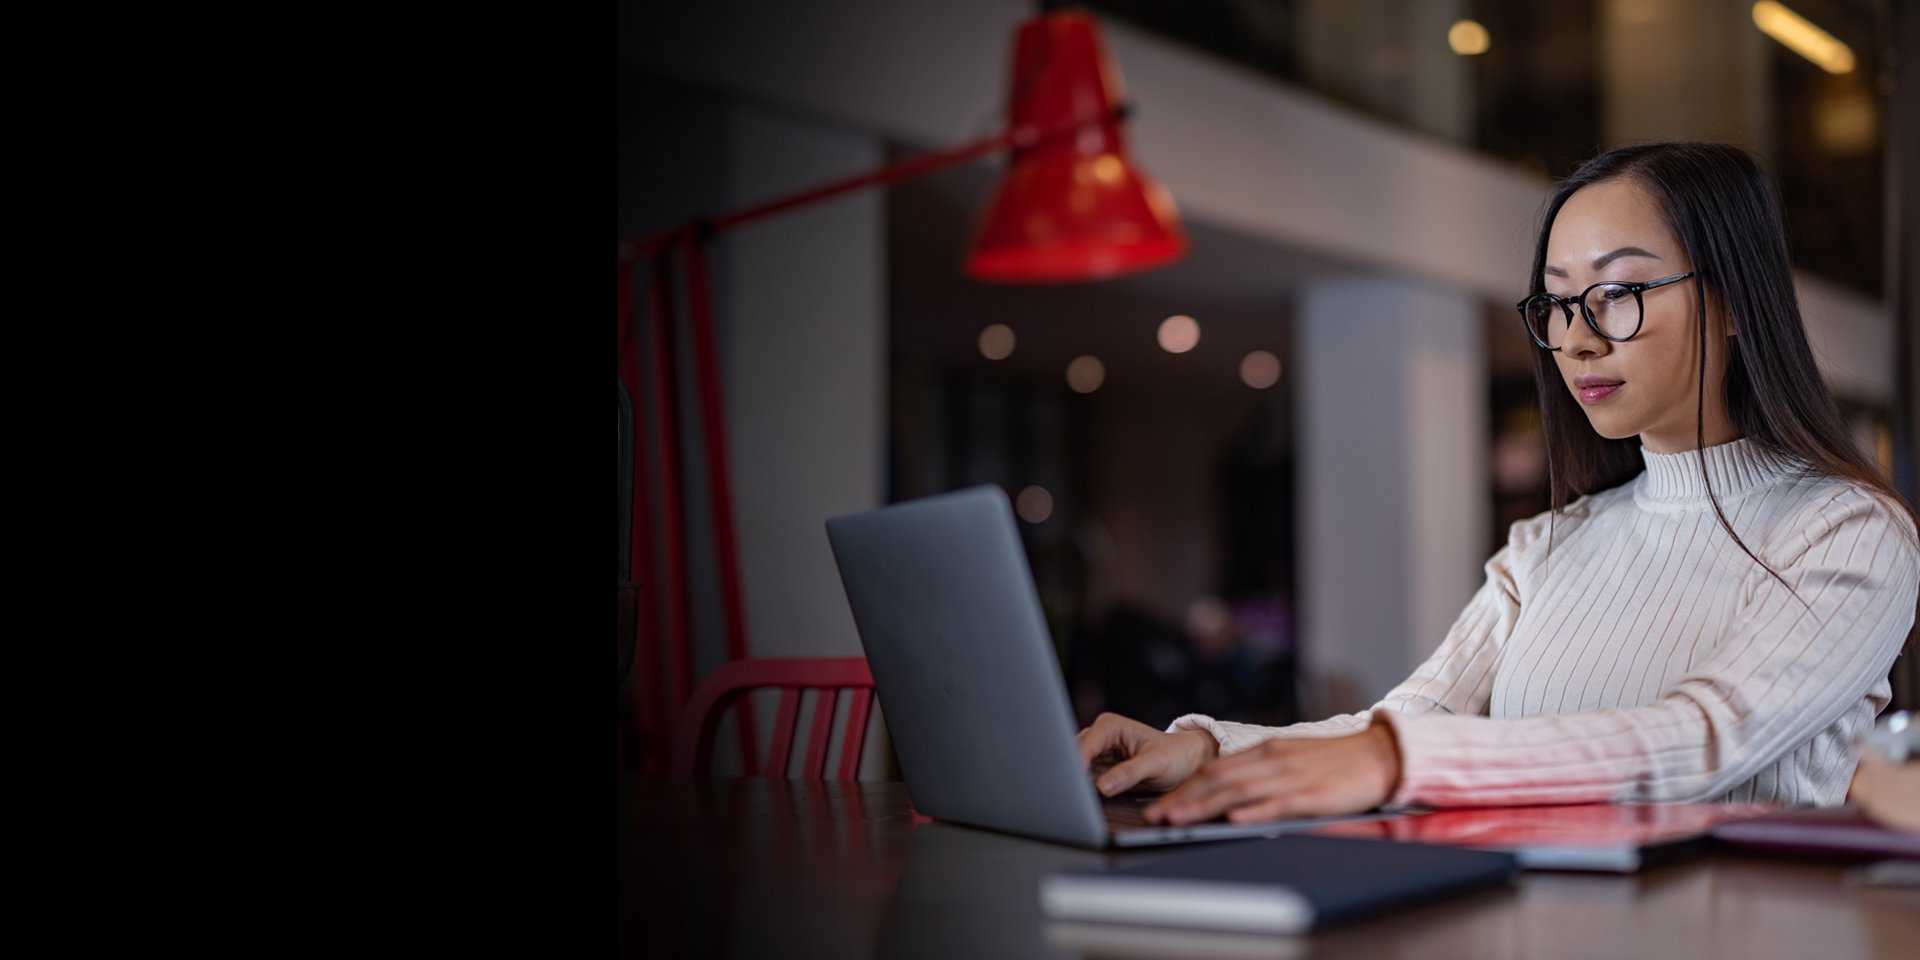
1072	206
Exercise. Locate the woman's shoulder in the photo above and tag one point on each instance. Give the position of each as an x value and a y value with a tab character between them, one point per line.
1533	533
1813	507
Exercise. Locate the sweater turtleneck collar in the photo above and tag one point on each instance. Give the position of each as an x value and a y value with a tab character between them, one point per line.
1734	468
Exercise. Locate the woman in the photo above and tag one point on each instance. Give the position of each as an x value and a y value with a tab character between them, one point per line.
1713	617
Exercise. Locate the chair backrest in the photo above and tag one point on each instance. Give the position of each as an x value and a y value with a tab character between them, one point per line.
831	676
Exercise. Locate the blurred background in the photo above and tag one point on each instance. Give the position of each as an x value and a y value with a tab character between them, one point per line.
1260	482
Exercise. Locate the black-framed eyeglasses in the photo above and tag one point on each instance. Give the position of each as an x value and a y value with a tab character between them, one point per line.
1613	309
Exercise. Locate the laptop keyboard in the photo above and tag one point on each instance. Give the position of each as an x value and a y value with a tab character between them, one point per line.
1128	811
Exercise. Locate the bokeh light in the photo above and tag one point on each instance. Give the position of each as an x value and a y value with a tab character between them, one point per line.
1260	369
996	342
1034	504
1468	38
1086	374
1179	334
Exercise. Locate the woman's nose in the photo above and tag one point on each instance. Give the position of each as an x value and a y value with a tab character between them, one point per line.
1581	341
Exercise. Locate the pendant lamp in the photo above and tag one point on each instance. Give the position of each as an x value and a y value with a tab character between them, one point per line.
1070	207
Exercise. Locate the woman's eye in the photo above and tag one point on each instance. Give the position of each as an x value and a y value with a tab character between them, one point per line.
1614	294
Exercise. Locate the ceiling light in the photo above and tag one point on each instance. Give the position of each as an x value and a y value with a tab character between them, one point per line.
1798	34
1468	38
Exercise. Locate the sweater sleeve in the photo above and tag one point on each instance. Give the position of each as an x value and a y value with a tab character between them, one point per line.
1794	662
1456	680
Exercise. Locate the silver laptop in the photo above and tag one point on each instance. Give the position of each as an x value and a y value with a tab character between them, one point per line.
969	682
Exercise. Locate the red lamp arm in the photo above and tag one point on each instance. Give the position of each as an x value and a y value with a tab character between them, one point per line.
904	170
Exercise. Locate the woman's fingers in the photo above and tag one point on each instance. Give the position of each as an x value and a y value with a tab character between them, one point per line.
1110	733
1125	776
1281	806
1223	798
1227	783
1141	755
1287	778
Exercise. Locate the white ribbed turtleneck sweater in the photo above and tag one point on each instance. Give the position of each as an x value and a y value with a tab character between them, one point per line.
1647	658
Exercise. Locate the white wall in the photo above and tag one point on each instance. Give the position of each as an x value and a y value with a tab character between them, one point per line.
1393	505
803	300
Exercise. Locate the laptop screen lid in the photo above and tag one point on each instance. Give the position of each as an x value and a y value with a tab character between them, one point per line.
964	665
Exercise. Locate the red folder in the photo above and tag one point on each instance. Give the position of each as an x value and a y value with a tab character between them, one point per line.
1607	837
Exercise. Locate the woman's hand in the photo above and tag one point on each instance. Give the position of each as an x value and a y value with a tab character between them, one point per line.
1289	778
1890	792
1142	756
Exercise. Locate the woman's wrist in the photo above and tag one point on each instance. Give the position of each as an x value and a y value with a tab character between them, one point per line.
1208	746
1387	748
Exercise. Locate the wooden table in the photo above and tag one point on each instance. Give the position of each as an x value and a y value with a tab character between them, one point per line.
756	868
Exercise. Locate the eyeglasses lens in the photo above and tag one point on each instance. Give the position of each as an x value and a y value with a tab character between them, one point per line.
1613	306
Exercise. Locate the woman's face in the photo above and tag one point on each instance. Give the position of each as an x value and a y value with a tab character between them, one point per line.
1647	386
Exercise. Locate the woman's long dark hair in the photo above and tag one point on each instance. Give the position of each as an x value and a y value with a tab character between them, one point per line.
1720	205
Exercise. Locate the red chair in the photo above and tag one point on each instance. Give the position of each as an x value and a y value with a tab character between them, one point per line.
831	676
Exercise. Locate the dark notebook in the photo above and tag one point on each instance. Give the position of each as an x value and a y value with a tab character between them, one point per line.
1287	884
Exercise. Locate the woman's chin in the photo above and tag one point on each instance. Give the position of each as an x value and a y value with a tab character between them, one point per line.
1609	428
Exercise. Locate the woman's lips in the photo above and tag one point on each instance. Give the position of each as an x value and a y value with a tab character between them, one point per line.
1595	389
